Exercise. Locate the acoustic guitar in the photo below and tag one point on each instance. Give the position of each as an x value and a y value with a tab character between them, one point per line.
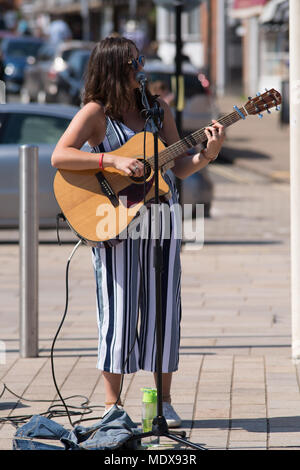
101	205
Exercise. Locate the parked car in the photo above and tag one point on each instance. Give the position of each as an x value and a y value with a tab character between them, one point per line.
69	83
17	52
42	78
4	33
29	124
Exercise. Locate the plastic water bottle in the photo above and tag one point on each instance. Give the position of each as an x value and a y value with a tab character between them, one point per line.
149	411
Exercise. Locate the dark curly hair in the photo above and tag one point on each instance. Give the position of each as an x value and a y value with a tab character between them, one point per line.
107	77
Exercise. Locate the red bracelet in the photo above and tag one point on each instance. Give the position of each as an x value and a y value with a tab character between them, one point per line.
101	161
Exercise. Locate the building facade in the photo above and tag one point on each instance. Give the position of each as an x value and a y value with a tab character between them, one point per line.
93	19
265	33
210	41
241	45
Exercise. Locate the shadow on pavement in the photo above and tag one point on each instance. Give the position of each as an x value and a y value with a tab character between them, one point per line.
229	154
278	424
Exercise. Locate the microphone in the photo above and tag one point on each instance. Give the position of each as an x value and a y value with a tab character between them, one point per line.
141	78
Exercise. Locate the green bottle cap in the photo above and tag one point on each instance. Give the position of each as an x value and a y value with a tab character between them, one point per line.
149	395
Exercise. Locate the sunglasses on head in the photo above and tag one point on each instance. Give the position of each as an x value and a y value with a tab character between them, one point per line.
140	60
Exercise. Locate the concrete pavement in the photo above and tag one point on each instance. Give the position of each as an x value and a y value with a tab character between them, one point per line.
259	145
237	387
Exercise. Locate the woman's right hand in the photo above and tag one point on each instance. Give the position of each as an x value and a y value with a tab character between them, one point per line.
129	166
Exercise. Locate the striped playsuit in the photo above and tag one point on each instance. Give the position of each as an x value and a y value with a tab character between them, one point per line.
122	288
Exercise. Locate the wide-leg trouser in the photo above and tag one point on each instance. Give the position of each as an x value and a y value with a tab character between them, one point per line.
125	284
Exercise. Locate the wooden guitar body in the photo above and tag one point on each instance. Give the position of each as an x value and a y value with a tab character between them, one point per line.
99	205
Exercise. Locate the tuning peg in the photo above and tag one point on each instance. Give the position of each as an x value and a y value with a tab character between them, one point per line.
258	113
258	93
267	109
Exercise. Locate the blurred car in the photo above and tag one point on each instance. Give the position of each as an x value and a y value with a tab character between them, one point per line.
17	52
4	33
1	67
37	124
42	78
66	86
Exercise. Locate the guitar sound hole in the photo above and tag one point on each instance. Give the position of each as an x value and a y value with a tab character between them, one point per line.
140	179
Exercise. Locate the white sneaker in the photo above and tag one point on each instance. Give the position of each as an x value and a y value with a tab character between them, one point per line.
109	408
172	418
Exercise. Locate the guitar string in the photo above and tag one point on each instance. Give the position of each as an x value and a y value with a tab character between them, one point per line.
180	146
200	135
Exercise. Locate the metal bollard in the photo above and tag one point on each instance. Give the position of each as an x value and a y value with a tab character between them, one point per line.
28	243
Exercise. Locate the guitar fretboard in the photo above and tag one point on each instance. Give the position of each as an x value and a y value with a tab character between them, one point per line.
197	137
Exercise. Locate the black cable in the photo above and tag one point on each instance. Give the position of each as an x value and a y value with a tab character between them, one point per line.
21	419
58	330
59	216
53	411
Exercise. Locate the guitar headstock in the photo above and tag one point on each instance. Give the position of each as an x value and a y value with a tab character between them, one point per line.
263	102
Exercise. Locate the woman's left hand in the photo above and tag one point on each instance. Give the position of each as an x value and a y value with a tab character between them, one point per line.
215	138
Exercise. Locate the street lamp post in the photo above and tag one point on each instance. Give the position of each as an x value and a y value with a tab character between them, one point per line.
178	63
84	8
179	6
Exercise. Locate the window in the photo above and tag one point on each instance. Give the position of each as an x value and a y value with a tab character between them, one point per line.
274	53
190	24
78	62
23	129
67	53
192	84
22	49
46	53
2	120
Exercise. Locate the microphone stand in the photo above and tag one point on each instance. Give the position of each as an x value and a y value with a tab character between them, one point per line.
159	424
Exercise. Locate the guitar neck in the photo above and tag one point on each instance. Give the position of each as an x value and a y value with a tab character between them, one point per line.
198	137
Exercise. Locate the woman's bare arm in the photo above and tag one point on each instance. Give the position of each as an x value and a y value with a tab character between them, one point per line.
89	125
67	154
